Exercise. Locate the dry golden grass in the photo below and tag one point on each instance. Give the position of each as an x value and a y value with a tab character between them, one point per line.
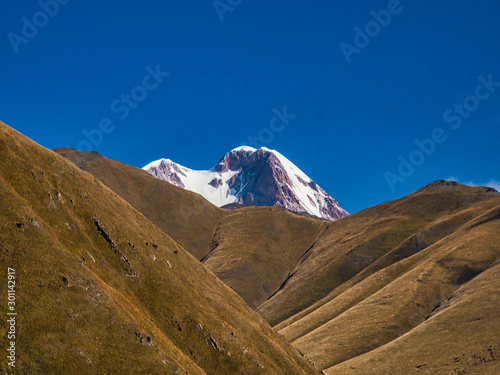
252	249
408	286
185	216
356	246
450	303
102	290
255	248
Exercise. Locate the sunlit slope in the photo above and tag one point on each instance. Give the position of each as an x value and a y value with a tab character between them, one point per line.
185	216
356	246
101	289
429	279
459	282
255	248
252	249
422	249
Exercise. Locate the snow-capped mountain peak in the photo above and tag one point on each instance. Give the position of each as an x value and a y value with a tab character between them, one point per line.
246	175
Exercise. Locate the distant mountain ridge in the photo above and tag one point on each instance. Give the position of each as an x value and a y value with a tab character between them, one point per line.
250	176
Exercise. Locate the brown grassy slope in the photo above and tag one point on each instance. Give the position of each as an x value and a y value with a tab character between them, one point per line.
460	336
255	248
252	249
185	216
354	291
357	246
101	289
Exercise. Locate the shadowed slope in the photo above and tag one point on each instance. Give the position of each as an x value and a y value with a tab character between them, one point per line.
101	289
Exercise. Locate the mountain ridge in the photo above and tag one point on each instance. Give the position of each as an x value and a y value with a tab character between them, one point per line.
248	176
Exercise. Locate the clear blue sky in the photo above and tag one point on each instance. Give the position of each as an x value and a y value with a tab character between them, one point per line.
228	70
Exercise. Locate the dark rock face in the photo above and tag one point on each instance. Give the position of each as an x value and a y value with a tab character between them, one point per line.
216	182
263	180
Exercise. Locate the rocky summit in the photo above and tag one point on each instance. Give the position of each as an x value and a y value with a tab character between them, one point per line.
249	176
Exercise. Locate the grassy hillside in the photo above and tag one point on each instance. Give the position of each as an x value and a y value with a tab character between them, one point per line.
255	248
441	317
355	247
101	289
252	249
395	267
407	286
185	216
